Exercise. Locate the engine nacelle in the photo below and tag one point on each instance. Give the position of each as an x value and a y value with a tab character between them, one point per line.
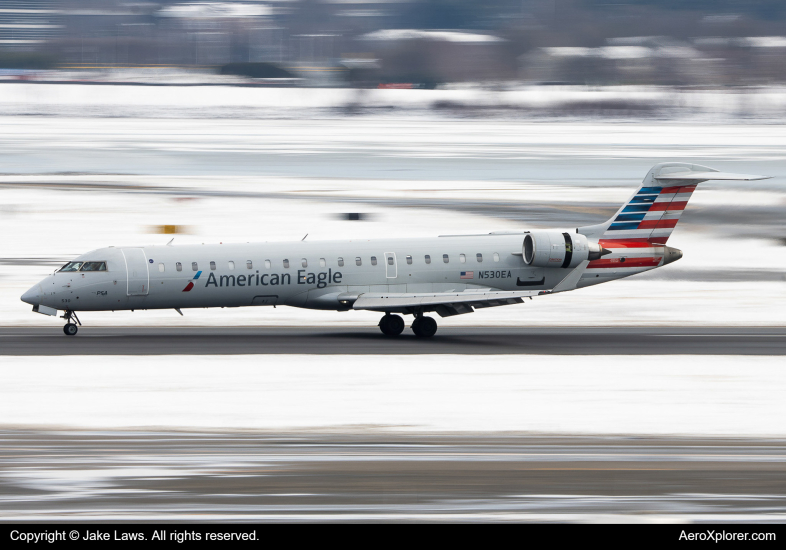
554	249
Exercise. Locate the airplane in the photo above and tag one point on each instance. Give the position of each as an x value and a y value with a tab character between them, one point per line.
449	275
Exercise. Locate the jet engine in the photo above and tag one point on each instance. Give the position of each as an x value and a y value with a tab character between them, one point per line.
555	249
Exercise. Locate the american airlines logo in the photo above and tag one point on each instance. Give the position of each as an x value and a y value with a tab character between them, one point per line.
190	284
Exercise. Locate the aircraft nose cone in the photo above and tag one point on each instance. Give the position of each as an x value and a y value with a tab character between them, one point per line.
32	296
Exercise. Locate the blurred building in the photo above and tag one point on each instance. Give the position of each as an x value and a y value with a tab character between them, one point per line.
371	42
27	25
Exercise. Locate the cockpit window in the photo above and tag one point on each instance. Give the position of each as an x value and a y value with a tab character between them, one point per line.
93	266
71	266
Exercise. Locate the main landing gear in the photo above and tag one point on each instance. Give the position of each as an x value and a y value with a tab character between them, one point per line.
424	327
70	329
393	325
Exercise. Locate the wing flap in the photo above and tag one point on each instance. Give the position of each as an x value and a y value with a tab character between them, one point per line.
395	301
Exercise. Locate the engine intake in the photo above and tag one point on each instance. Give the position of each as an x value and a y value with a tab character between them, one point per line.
554	249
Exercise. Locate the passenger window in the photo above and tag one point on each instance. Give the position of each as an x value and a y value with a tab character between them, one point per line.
179	266
71	266
249	264
161	268
286	264
231	266
213	266
322	262
479	257
267	264
194	266
341	262
409	260
445	258
390	260
93	266
358	261
462	259
373	260
303	262
428	259
496	257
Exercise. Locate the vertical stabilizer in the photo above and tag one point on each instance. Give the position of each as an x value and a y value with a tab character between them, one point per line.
653	211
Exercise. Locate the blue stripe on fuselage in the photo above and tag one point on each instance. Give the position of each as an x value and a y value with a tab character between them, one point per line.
197	275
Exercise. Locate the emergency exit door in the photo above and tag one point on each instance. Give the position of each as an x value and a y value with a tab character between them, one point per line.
391	269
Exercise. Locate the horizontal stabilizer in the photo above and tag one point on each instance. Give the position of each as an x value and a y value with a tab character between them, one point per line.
704	176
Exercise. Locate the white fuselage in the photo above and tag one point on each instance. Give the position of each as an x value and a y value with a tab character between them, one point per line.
306	274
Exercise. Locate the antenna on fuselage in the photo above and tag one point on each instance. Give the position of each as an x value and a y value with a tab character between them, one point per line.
170	242
304	238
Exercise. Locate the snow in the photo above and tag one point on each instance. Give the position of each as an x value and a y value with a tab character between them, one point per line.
442	36
218	98
658	395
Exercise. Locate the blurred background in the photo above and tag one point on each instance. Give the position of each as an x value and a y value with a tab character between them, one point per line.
654	398
389	43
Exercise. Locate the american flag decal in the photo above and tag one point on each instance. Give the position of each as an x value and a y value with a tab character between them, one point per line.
467	274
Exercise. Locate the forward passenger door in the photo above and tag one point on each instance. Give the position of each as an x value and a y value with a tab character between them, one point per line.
138	281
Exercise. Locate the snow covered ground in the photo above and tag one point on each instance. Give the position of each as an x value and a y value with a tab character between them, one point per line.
252	102
711	396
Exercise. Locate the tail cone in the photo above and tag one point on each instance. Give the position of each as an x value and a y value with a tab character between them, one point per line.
671	255
598	254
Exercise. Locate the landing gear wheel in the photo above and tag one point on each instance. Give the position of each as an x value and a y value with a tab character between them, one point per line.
424	327
391	325
70	329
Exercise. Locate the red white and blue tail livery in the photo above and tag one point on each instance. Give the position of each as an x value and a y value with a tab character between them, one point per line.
635	237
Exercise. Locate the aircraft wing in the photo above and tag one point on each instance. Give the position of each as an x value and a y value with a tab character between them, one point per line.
456	303
444	303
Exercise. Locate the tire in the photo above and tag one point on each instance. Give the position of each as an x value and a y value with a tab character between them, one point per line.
383	324
391	325
70	329
395	325
425	327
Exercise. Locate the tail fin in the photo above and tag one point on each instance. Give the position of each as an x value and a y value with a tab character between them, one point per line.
653	211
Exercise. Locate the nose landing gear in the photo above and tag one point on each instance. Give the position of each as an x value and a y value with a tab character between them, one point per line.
391	325
70	329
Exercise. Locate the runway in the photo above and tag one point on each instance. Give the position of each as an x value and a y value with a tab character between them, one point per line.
269	476
363	341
